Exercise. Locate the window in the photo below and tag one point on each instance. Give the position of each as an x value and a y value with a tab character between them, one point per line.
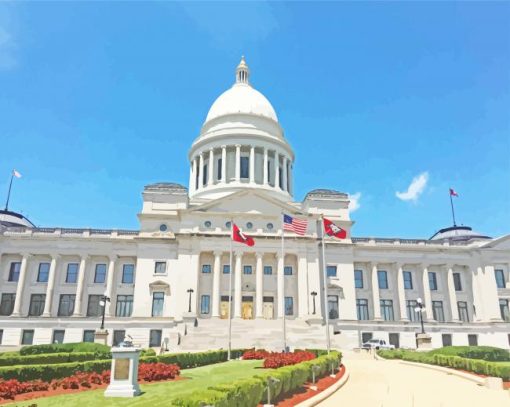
245	164
66	305
155	338
58	336
456	282
100	275
387	310
27	337
160	267
158	299
287	270
447	339
226	269
206	268
268	270
118	337
437	311
333	306
331	271
36	305
14	271
366	336
220	161
412	315
280	178
128	272
382	278
88	335
463	311
358	278
362	309
432	280
504	309
247	270
500	278
72	273
408	280
473	340
289	306
1	335
196	181
94	308
43	273
124	306
204	175
7	304
205	301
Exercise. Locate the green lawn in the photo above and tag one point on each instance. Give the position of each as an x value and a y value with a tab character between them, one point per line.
158	394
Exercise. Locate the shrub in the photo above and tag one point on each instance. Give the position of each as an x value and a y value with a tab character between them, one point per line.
253	354
96	348
157	371
488	353
276	360
46	359
147	352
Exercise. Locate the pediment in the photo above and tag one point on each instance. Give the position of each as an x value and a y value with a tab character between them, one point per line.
500	243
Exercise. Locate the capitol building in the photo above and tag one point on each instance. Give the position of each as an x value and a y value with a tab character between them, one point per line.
167	284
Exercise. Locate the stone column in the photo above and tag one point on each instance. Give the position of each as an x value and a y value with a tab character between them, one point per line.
280	284
51	286
211	167
284	178
238	163
252	165
259	286
264	170
193	185
427	298
491	304
191	177
200	171
401	293
303	291
375	293
452	295
238	285
276	170
216	284
21	285
79	288
110	285
223	163
477	297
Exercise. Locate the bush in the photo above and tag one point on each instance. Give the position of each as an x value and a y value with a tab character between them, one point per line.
96	348
151	372
488	353
147	352
189	360
276	360
47	359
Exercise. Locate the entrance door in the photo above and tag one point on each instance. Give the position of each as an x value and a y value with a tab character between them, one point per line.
247	307
224	307
268	310
395	340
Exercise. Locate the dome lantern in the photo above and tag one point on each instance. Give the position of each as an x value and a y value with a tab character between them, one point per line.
242	72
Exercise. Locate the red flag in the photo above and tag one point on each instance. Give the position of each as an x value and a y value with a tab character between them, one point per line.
333	230
238	236
453	193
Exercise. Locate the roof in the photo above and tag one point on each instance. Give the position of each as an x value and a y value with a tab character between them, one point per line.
326	193
458	233
10	219
165	186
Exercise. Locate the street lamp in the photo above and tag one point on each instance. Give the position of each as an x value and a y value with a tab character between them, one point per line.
313	294
420	309
102	302
190	291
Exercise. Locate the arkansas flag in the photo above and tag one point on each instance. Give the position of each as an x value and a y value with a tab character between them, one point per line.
16	174
238	236
453	193
333	230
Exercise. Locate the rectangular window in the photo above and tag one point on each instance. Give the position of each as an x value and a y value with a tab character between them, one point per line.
66	305
269	164
473	340
447	339
100	275
118	337
220	161
331	271
245	167
160	267
289	305
88	335
500	278
155	338
128	272
72	273
14	271
387	310
437	311
247	270
205	301
463	311
287	270
206	268
204	175
382	278
226	269
124	306
504	310
280	178
333	306
362	309
408	280
7	304
36	305
456	282
358	278
94	309
27	337
412	315
58	336
1	335
432	280
43	273
268	270
158	300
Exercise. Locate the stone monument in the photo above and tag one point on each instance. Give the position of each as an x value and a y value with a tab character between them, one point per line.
124	372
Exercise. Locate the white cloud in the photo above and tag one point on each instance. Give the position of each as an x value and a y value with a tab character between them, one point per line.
354	201
7	60
415	189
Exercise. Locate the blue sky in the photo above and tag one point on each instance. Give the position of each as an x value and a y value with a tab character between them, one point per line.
99	99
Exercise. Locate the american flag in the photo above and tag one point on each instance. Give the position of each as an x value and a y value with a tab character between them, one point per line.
295	225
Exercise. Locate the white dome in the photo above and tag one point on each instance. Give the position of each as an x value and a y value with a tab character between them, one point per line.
241	98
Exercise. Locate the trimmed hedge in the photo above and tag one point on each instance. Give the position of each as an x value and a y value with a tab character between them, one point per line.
47	359
250	392
65	348
488	353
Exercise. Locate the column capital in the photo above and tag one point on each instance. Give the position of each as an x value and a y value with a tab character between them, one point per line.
84	256
218	253
55	256
26	255
223	146
259	255
113	257
238	145
238	253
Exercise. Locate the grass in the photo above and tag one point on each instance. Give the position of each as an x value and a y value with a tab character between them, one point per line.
158	394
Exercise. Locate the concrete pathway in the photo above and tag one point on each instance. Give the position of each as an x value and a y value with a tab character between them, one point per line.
387	383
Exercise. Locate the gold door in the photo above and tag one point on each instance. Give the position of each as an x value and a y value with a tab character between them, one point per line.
268	310
247	310
224	310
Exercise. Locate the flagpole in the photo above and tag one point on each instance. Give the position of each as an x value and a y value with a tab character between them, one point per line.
283	289
328	341
9	193
453	212
230	293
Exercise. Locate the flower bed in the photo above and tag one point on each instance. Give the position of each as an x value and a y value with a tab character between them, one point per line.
274	360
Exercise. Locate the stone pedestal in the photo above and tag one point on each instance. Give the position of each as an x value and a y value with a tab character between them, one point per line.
189	317
124	373
101	336
312	319
423	342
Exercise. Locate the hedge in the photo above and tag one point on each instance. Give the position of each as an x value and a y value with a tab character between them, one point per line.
250	392
497	369
47	359
489	353
65	347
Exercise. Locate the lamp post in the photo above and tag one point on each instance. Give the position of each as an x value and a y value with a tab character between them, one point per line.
102	302
313	294
190	291
420	309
